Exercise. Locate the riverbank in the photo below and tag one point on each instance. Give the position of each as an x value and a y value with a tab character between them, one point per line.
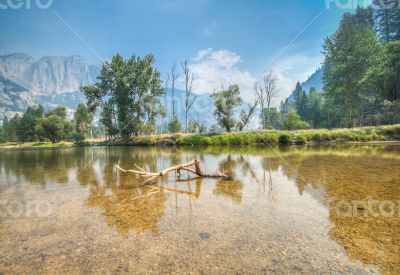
377	134
36	144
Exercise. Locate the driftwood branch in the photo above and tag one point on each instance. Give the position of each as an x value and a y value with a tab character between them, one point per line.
182	167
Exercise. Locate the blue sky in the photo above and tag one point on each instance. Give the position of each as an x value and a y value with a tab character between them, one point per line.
225	40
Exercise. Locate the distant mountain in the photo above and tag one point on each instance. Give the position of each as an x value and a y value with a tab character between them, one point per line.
315	80
49	74
50	81
13	98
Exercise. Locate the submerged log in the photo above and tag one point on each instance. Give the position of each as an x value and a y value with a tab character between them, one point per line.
178	168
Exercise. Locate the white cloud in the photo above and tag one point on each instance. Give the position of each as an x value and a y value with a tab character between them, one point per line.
212	69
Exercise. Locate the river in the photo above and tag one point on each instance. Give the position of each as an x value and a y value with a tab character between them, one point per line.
328	209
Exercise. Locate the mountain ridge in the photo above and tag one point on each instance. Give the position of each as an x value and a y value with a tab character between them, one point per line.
48	80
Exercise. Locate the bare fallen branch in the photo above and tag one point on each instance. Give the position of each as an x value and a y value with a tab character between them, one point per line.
151	175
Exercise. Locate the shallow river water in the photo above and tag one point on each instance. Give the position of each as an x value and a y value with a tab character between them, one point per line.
287	210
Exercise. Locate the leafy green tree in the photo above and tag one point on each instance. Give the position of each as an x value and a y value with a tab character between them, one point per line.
83	120
275	118
59	111
10	128
69	132
293	122
108	117
389	72
389	113
175	126
26	127
382	85
314	108
2	137
51	127
349	54
128	93
285	107
225	103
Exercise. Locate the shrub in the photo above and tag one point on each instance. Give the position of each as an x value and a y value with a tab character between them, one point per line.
284	139
299	139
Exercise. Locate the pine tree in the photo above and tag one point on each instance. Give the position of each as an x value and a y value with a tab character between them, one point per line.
387	18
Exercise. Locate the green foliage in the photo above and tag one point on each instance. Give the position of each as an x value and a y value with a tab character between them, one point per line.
79	139
225	103
26	127
2	136
380	133
275	118
293	122
197	127
174	126
349	54
284	138
51	127
300	100
83	120
59	111
285	107
128	94
10	128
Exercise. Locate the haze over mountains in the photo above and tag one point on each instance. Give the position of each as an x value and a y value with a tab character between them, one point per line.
55	81
50	81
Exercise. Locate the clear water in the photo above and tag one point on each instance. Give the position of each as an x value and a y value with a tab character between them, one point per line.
70	211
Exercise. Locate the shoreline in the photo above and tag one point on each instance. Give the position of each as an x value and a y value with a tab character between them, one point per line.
376	135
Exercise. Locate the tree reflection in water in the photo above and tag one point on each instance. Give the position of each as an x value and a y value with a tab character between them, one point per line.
260	178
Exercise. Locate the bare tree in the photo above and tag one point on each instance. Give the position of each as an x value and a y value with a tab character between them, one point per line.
245	116
174	76
189	98
266	91
164	108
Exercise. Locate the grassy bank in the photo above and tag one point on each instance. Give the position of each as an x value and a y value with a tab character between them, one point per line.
366	134
316	136
36	144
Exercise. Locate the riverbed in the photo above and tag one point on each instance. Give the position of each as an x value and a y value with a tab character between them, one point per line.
315	209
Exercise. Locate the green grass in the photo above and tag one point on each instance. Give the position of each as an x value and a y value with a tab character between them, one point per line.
35	144
314	136
379	133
